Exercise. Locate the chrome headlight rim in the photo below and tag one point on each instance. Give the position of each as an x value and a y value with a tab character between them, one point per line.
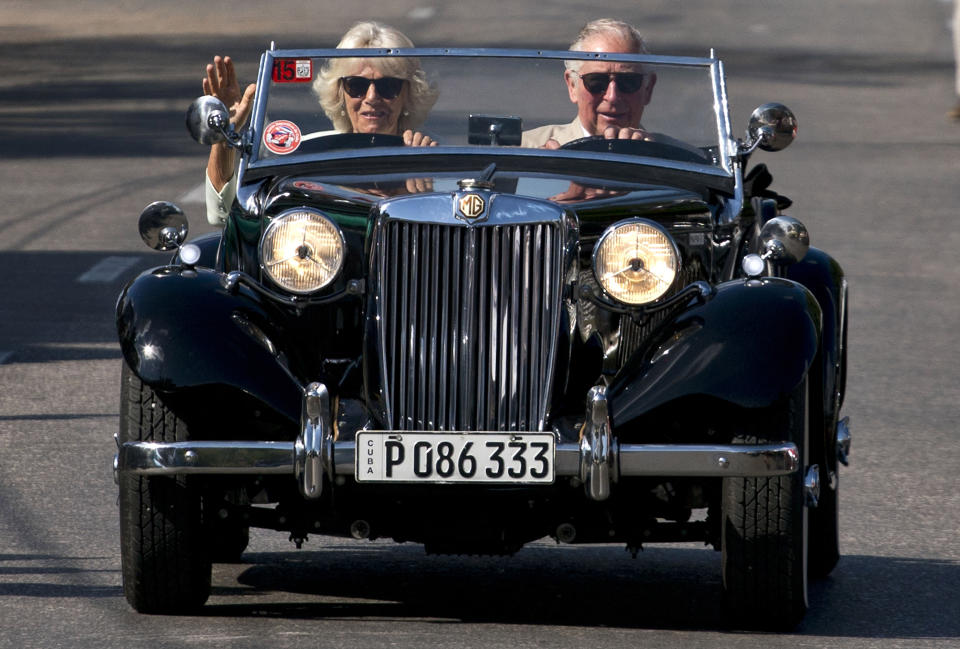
609	232
282	218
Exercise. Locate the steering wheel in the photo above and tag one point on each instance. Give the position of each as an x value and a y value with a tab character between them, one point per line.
651	148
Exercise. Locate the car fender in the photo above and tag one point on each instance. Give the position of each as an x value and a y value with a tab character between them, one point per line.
181	328
749	343
823	276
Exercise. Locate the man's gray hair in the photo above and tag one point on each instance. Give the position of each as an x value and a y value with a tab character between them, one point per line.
607	27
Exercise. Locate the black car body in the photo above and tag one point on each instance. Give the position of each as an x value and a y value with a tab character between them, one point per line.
468	372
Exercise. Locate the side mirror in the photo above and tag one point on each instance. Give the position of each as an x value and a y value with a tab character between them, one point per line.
163	226
208	121
784	240
772	128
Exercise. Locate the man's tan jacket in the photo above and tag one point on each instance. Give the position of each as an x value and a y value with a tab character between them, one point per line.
562	133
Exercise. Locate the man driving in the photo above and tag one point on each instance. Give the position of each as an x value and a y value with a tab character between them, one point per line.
610	96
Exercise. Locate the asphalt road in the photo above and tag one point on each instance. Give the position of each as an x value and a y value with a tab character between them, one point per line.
91	130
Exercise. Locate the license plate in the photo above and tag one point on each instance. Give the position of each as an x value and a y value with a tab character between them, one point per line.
468	457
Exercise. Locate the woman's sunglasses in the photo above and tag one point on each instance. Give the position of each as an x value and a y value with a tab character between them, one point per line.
387	87
626	82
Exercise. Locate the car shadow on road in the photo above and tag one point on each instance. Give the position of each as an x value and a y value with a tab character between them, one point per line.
55	576
566	585
664	588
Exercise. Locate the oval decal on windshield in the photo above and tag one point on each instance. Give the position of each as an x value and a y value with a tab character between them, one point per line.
281	137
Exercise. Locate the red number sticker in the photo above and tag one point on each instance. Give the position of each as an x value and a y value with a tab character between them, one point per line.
292	70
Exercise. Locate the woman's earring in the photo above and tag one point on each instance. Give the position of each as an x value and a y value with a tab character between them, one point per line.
406	113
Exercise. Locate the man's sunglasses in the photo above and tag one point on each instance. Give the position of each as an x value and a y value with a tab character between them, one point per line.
626	82
387	87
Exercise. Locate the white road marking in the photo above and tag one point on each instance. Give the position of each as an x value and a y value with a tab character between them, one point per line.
77	345
4	356
195	195
108	269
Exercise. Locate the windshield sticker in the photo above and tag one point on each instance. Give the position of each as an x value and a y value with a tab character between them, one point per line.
292	70
282	137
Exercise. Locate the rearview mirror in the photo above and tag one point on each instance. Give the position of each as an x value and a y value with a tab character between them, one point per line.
208	120
163	226
772	128
784	240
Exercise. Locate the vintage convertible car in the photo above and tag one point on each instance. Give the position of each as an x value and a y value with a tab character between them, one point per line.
476	345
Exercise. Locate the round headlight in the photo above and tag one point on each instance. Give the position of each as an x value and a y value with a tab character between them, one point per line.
302	251
636	261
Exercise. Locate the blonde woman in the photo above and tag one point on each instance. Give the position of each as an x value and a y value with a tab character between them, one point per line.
377	95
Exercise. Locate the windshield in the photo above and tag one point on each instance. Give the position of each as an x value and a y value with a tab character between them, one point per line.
334	103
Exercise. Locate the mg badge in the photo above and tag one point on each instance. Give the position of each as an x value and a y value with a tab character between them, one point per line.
472	205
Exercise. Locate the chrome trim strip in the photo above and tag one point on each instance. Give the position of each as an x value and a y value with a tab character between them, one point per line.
485	324
433	342
467	322
344	458
727	143
731	163
334	161
513	402
720	460
408	300
423	338
635	460
501	274
532	283
504	209
259	113
525	344
456	349
182	458
453	52
446	321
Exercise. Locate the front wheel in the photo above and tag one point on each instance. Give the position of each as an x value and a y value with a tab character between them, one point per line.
824	543
164	556
825	527
765	527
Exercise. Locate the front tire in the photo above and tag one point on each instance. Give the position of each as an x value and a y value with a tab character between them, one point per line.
825	518
824	543
765	528
165	563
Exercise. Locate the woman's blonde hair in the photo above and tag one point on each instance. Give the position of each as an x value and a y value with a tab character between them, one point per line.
421	95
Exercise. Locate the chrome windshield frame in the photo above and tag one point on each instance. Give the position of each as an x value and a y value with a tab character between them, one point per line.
725	174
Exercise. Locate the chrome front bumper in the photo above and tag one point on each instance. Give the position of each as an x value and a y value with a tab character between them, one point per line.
597	461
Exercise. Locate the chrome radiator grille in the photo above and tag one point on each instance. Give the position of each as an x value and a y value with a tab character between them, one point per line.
467	323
